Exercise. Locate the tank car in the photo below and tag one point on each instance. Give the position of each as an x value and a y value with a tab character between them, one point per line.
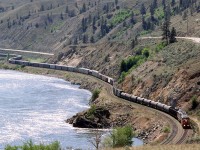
153	104
140	100
125	96
133	98
146	102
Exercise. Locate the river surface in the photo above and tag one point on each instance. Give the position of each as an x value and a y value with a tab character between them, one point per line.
35	107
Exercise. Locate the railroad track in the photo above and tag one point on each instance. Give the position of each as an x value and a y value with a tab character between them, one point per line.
178	135
184	137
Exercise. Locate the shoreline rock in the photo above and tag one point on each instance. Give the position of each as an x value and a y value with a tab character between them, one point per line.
95	117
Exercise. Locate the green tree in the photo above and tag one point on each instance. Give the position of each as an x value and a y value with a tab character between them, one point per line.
166	32
143	9
165	28
173	3
123	66
120	137
61	16
155	4
172	35
92	39
133	20
133	43
195	103
84	8
85	38
95	95
66	9
42	8
164	4
116	2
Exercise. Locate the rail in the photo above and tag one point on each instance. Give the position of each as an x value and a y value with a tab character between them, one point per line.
16	59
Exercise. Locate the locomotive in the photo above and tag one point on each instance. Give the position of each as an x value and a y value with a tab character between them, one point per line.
179	114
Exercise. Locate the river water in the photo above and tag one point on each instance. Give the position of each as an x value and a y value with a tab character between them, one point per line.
35	107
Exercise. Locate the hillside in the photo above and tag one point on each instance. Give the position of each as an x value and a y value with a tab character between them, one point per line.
53	25
105	35
100	34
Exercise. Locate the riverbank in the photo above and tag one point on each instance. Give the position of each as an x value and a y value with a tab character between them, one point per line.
143	120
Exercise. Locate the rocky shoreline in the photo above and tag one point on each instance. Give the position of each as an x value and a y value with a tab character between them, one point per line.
111	114
120	113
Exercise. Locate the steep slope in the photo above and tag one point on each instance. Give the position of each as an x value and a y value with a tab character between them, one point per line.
171	77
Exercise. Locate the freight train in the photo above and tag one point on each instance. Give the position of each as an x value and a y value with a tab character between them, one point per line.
179	114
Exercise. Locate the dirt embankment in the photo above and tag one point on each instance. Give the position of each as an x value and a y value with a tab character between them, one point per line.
121	113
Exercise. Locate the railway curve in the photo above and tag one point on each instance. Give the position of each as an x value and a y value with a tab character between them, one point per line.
178	135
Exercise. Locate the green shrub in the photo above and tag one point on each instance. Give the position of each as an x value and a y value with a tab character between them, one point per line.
133	62
145	52
30	146
166	129
160	46
120	17
195	103
95	95
121	136
91	112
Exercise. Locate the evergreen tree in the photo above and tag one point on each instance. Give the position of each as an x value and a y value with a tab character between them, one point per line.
66	9
166	31
152	10
133	21
42	8
116	2
143	9
61	16
85	38
164	4
173	3
84	8
144	24
185	15
167	13
75	41
123	66
133	43
155	4
92	39
172	35
84	24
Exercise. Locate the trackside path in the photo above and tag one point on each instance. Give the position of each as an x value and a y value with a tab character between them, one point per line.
24	51
194	39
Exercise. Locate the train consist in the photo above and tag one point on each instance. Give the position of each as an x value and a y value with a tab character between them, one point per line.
179	114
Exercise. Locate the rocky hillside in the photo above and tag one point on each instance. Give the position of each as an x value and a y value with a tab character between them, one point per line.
172	76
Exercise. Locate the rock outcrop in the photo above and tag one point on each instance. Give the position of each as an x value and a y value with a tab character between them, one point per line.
92	118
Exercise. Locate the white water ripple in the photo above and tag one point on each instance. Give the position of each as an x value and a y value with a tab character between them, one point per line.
36	107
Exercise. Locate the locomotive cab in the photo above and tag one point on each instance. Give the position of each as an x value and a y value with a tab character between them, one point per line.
183	119
185	122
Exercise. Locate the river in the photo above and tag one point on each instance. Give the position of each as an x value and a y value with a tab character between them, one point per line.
35	107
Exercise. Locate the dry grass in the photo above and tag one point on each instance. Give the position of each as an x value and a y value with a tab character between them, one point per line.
163	147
